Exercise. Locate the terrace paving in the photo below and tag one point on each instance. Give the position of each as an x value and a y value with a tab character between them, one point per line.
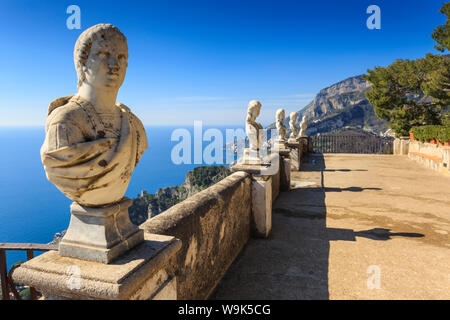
348	217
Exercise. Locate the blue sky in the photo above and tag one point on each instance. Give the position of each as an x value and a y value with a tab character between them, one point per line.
204	60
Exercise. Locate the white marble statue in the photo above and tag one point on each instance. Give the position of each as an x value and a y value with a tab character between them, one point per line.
93	143
281	140
303	127
254	131
292	125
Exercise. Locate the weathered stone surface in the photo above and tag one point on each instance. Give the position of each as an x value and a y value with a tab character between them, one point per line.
100	234
139	274
401	146
295	155
285	174
305	145
280	141
92	144
353	211
303	127
255	133
432	156
293	117
214	226
262	206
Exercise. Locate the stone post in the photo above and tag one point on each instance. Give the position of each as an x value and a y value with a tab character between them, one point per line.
310	146
285	169
262	181
401	146
295	155
304	145
139	274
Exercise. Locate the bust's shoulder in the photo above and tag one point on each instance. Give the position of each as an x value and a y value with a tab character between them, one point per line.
130	113
65	109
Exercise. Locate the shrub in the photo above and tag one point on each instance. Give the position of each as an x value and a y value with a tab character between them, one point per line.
427	133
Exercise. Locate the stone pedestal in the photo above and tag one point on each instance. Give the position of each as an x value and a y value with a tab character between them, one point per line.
262	206
285	174
139	274
304	145
100	234
295	155
280	144
285	169
262	181
251	157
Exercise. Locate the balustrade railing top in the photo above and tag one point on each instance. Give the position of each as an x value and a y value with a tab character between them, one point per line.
7	283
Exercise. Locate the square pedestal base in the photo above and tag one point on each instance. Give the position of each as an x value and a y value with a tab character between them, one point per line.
140	274
100	234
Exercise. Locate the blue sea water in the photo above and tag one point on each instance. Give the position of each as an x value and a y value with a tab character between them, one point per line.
32	209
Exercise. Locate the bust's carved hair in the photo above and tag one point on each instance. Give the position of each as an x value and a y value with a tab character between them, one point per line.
83	45
253	105
292	116
280	115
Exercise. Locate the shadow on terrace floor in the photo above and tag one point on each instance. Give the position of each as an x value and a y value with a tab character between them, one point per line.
293	262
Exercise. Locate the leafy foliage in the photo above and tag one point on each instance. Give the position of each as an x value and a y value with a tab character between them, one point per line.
414	92
442	33
427	133
202	177
410	92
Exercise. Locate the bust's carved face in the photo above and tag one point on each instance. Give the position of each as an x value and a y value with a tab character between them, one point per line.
107	63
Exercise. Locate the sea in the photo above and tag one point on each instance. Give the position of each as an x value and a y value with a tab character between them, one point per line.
33	210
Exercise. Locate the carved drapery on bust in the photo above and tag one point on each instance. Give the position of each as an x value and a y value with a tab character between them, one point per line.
92	143
85	163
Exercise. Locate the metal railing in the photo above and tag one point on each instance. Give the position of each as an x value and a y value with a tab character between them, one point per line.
352	144
8	285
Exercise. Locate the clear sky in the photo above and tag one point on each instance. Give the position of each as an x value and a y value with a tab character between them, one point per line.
204	60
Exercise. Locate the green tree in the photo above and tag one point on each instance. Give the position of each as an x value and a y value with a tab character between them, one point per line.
414	92
399	92
442	33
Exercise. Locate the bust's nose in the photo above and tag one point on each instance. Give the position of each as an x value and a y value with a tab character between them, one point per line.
113	62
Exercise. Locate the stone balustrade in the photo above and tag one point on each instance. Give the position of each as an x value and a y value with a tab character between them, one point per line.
187	249
433	156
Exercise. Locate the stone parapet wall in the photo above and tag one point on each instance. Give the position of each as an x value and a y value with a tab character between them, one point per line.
432	156
213	225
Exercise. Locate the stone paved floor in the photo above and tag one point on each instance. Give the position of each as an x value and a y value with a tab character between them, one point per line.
348	217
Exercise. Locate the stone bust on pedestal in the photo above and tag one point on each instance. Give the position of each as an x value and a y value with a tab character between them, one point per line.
91	148
281	140
255	133
292	124
303	127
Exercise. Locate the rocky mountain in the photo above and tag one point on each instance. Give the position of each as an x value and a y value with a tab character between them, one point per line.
342	105
147	205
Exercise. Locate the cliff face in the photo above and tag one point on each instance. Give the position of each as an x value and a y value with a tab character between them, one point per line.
342	105
343	94
148	205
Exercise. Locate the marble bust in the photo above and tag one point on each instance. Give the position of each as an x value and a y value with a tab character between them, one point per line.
292	125
303	127
254	131
279	118
92	143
